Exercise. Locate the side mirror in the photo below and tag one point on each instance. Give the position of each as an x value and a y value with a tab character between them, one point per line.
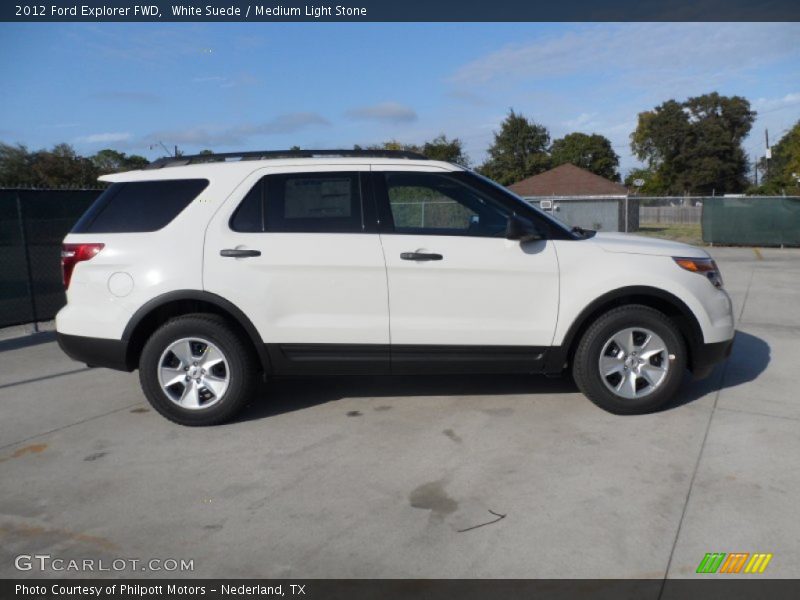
519	228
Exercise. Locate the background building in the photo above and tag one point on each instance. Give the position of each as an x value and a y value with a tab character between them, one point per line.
579	197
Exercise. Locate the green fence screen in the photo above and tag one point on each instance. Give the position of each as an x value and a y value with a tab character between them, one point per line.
33	224
752	221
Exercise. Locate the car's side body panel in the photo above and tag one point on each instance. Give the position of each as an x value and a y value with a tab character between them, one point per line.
134	268
483	291
323	303
314	288
589	272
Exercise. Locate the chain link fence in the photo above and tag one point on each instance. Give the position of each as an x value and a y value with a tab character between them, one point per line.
670	215
33	223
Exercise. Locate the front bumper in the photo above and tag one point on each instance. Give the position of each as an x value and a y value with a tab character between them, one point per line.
706	356
96	352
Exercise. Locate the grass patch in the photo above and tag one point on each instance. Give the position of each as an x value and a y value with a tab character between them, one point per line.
687	233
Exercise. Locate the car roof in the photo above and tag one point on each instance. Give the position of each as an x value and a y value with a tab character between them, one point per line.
242	168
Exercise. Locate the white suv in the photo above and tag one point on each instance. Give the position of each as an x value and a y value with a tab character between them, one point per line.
208	273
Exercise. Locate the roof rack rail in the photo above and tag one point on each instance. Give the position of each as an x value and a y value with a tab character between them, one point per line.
178	161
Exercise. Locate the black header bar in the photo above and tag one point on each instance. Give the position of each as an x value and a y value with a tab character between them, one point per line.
401	10
710	588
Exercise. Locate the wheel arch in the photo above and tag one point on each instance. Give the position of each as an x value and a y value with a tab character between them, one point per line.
160	309
656	298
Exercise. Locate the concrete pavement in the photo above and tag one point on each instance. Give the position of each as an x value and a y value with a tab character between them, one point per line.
409	477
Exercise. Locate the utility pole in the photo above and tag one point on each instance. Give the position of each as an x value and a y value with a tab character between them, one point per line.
768	153
177	152
755	170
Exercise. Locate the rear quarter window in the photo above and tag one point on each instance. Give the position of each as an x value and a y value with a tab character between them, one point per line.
139	206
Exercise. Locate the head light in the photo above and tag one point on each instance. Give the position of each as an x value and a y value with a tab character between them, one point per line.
702	266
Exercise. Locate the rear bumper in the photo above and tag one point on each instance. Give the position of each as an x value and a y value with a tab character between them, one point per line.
706	356
96	352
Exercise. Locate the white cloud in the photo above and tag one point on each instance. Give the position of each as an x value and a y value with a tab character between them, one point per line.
238	134
241	79
596	78
390	112
102	138
131	97
468	97
156	44
637	52
582	120
763	105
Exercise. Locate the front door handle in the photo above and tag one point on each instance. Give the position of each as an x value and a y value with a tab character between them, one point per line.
420	256
237	253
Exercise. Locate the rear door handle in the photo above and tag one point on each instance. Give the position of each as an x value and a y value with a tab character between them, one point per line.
237	253
420	256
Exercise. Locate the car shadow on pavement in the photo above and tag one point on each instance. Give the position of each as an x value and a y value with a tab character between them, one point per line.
287	395
749	358
26	341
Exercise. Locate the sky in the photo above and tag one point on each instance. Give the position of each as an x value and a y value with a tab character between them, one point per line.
258	86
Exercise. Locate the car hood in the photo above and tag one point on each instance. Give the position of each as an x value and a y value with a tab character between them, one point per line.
637	244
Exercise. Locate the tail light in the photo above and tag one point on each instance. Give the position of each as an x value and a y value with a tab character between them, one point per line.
72	254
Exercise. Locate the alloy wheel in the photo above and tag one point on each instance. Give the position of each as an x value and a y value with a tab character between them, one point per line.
634	362
193	373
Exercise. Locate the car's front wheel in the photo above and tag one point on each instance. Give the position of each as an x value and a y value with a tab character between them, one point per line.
195	370
631	360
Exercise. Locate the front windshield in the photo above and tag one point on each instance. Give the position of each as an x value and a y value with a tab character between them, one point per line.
549	218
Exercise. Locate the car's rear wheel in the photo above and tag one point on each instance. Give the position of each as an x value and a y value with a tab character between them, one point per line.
195	370
631	360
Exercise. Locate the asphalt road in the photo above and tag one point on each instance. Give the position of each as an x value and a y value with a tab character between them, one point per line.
409	477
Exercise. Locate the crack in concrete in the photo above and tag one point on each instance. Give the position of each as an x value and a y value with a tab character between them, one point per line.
702	448
758	414
63	427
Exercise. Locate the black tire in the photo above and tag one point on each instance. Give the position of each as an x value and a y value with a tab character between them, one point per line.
586	369
241	369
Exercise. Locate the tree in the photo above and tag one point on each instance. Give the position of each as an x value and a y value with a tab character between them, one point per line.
440	148
591	152
15	165
59	167
62	167
784	166
112	161
652	185
695	146
390	145
519	150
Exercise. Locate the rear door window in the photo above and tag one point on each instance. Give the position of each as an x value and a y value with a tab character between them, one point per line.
302	203
139	206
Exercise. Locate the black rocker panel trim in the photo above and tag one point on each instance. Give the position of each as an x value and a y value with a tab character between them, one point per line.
382	359
329	359
467	359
